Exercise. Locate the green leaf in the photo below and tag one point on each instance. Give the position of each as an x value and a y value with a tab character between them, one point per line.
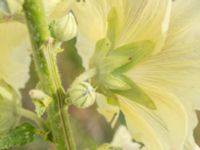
134	53
135	93
20	135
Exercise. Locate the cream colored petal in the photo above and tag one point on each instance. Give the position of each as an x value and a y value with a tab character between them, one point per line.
123	139
184	29
55	9
50	5
177	70
91	19
140	128
85	49
141	22
177	67
14	54
197	148
168	123
110	112
137	21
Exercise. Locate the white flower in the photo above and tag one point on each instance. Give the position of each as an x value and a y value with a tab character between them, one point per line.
123	139
168	75
15	54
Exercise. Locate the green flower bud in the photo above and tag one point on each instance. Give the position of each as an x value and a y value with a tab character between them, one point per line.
41	101
9	102
82	94
64	28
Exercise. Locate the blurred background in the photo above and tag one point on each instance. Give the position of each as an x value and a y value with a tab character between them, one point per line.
90	128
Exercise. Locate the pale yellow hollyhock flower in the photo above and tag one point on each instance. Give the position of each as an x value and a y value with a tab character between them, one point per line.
144	22
170	76
15	54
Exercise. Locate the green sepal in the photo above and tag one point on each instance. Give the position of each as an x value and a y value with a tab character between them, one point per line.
135	93
113	23
46	135
102	48
134	53
115	82
121	59
111	63
112	100
40	108
18	136
40	100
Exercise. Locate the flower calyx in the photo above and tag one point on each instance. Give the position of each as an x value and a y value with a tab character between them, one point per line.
40	100
82	94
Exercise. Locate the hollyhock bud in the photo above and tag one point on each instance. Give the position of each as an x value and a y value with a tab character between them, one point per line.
64	28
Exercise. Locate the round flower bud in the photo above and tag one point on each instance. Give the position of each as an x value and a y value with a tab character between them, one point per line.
64	28
9	102
82	94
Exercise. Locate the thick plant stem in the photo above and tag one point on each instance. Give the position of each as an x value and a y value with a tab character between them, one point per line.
45	61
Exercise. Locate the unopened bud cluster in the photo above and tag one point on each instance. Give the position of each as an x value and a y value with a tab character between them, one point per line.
65	28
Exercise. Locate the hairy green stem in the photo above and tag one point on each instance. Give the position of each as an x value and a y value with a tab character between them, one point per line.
46	67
